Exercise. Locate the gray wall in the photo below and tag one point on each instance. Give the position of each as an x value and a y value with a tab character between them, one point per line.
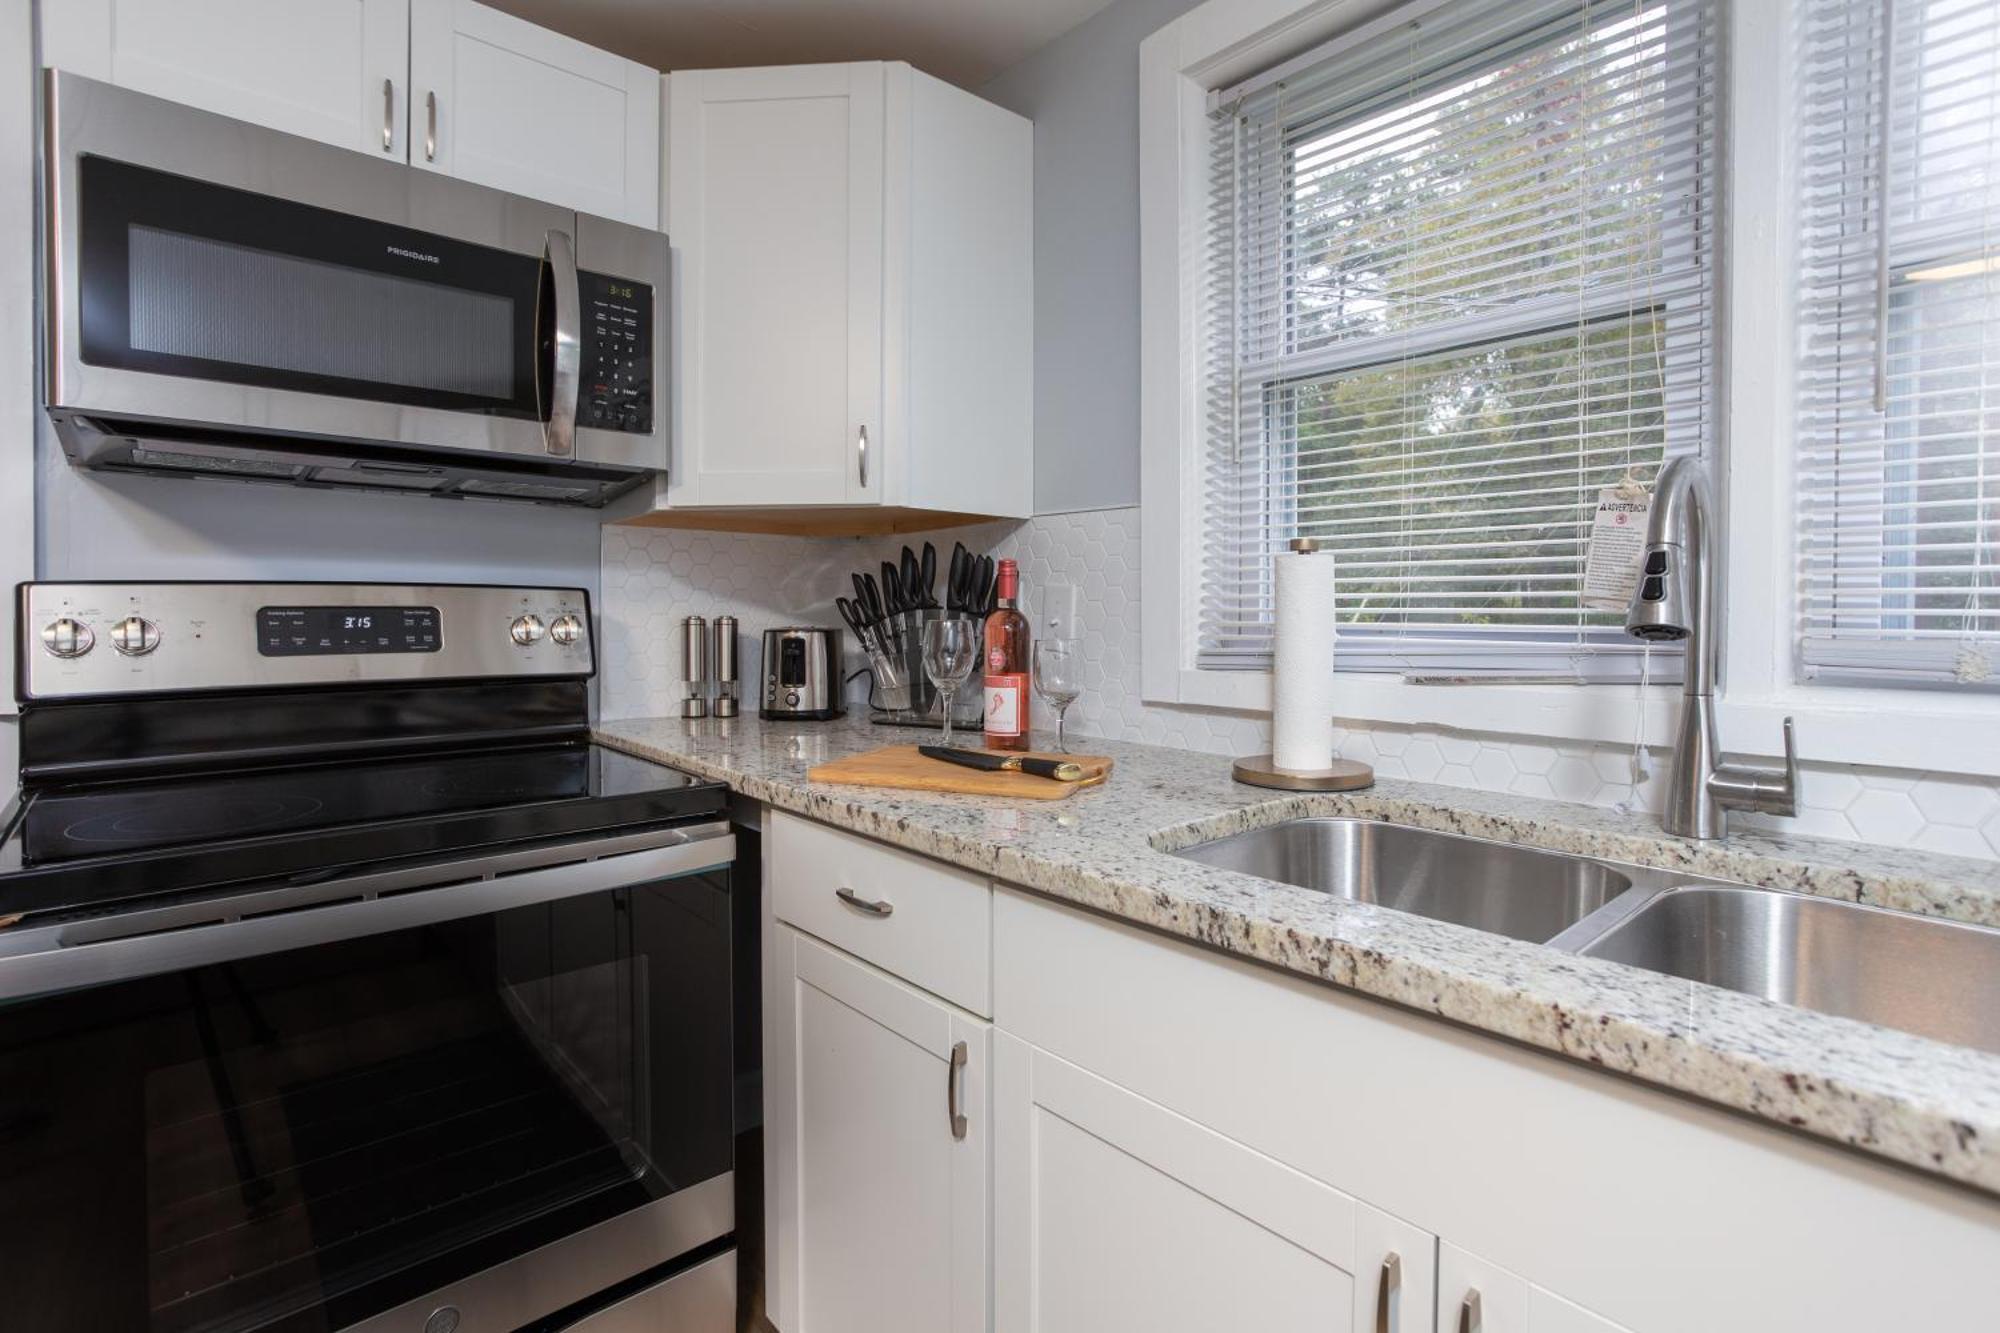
1082	91
95	525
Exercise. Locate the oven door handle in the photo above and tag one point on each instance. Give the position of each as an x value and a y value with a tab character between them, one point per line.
565	343
42	960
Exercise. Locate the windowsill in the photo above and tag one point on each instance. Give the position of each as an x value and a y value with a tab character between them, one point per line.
1874	728
1553	712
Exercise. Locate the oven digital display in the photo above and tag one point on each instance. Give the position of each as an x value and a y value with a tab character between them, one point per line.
327	631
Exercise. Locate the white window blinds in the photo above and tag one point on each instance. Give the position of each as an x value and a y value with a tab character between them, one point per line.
1898	455
1460	275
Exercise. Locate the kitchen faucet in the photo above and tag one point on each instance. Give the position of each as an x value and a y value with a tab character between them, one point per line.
1675	602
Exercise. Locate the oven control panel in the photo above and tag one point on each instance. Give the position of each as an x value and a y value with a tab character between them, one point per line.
616	392
82	639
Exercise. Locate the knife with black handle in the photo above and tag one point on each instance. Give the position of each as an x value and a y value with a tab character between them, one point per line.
1062	770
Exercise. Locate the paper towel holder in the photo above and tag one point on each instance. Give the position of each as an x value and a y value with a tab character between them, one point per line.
1343	775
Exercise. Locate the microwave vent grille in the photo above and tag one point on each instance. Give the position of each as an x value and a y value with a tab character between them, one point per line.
237	467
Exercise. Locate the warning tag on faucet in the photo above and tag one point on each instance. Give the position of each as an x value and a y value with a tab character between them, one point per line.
1617	547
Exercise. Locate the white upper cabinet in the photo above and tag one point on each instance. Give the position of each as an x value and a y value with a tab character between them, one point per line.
447	84
502	102
774	206
855	257
332	70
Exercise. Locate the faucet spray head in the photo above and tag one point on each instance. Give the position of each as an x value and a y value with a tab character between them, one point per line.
1661	609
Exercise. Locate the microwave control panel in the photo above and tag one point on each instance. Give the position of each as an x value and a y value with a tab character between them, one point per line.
617	368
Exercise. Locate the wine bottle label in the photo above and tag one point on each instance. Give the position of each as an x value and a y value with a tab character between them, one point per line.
1003	703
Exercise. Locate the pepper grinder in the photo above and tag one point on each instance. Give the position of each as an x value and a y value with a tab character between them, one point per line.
694	666
725	666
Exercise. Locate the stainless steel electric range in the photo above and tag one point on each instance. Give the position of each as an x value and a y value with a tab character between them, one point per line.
343	982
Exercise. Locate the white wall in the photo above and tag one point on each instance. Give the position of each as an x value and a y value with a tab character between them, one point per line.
655	576
1082	92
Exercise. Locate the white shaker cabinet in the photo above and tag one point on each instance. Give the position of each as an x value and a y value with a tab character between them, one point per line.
449	85
1475	1296
332	70
854	272
499	101
877	1150
1113	1214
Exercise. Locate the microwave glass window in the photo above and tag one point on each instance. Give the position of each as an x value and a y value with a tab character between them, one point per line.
207	299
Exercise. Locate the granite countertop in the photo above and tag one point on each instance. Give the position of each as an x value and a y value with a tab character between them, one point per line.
1922	1103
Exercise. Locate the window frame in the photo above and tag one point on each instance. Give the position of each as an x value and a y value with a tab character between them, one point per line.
1221	42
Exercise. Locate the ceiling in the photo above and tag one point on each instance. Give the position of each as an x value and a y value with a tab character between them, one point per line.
963	41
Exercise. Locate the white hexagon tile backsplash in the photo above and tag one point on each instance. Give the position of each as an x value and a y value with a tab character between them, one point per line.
654	576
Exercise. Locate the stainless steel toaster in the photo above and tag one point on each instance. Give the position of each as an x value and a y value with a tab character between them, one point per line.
801	674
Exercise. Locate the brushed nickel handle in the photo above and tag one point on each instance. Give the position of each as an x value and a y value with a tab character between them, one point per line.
1469	1320
880	907
566	342
951	1081
388	115
1387	1287
861	452
431	126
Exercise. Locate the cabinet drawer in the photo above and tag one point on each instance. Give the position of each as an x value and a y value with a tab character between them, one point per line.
924	921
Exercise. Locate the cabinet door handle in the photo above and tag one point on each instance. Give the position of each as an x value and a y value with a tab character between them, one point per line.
861	455
951	1081
388	115
1469	1320
1387	1287
880	907
431	126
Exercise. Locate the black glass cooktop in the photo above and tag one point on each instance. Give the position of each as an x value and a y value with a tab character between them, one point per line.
95	844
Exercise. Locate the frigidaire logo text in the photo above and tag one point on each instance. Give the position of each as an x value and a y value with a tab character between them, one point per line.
412	254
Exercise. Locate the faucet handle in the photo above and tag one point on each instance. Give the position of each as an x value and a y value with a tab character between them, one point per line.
1771	791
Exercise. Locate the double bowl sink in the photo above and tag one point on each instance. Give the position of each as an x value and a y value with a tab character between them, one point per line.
1924	975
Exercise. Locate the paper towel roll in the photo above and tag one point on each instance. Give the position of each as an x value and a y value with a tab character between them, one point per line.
1302	667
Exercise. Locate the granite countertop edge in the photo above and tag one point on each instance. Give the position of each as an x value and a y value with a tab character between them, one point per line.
1919	1103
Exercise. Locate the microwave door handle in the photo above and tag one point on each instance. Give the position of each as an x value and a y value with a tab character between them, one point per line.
566	349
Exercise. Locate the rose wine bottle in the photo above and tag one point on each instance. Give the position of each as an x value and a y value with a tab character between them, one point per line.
1007	665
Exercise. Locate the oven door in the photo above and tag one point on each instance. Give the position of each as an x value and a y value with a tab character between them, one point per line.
220	274
503	1095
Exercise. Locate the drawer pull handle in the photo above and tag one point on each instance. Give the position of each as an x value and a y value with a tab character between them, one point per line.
951	1081
1469	1320
879	907
1387	1287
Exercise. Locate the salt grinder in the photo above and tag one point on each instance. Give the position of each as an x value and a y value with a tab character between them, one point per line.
694	666
726	685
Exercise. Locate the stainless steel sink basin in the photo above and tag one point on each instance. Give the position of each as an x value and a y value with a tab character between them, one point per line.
1519	891
1921	974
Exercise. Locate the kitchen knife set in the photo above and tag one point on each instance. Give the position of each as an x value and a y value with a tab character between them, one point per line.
875	613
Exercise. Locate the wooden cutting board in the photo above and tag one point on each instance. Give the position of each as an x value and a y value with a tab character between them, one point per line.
901	766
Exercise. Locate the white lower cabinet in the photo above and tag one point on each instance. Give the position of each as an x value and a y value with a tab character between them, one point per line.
1115	1215
877	1143
1475	1296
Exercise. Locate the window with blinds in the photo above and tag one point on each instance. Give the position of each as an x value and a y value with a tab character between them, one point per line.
1898	442
1460	273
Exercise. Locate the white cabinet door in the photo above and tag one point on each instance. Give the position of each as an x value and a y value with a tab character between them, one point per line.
880	1198
1115	1215
332	70
1475	1296
507	104
775	208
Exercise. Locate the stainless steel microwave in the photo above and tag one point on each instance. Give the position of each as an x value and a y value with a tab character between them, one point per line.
226	301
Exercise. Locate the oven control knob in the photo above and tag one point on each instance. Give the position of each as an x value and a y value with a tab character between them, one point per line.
67	636
566	630
135	636
526	630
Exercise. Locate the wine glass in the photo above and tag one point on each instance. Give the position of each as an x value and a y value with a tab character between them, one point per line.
1059	678
951	647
